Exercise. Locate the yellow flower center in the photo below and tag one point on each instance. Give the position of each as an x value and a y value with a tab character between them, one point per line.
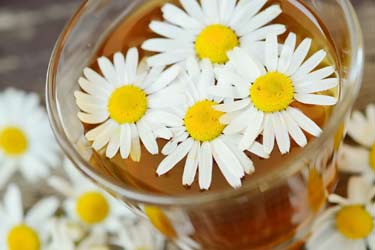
13	141
272	92
316	191
160	221
214	42
202	121
354	222
372	157
127	104
22	237
92	207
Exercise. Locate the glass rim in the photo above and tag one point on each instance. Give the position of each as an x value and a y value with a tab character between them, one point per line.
263	183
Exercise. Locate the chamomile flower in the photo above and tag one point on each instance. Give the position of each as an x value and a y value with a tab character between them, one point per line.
62	238
210	29
200	137
19	231
354	159
87	203
27	144
264	94
139	235
128	104
350	224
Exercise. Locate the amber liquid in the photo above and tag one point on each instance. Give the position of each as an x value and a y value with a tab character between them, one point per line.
258	222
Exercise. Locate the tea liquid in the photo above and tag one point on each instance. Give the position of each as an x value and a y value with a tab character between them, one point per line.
259	222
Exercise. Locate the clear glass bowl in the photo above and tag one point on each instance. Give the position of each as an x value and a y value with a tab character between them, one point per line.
252	217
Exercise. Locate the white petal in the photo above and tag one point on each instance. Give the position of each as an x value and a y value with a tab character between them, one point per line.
205	166
171	31
316	75
316	86
298	56
95	89
103	138
281	133
227	75
258	149
131	63
261	34
164	79
314	99
360	190
94	77
294	130
245	64
228	92
239	122
147	137
287	53
226	9
85	99
93	118
193	9
94	133
354	159
6	172
253	130
135	148
260	19
125	141
245	161
13	203
192	67
108	70
211	11
114	143
227	171
370	113
268	135
171	160
244	12
42	211
177	16
232	106
304	122
191	164
361	130
271	52
310	64
164	117
120	67
168	58
165	45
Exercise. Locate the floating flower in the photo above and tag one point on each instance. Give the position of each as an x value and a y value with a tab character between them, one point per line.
200	137
87	203
26	140
350	224
139	236
19	231
265	93
129	104
210	30
62	238
361	159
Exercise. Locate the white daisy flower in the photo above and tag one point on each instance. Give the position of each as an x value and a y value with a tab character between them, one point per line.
210	29
354	159
139	236
26	140
87	203
264	93
129	103
62	238
350	224
19	231
200	137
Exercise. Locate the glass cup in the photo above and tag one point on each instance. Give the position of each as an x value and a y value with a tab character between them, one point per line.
275	210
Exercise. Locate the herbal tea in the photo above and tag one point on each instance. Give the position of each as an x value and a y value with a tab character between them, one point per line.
244	225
